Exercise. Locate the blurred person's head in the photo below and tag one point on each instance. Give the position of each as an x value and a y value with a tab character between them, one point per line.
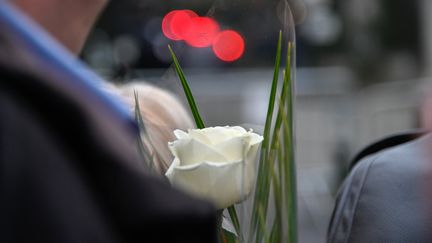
69	21
162	113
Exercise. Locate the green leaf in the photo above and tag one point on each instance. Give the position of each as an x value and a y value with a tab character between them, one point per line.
272	97
261	193
281	153
234	218
290	168
288	161
199	122
228	237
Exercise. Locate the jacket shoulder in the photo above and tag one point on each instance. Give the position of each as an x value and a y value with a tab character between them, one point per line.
383	197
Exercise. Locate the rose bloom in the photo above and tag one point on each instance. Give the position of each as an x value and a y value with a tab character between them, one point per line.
215	163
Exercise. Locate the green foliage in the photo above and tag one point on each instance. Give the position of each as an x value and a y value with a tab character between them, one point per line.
199	122
276	166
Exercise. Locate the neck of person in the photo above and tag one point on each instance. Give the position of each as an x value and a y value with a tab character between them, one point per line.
69	21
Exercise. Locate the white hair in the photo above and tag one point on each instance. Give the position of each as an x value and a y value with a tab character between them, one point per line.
162	113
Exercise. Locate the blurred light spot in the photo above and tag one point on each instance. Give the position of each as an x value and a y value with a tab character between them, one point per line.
126	50
176	22
181	23
323	27
228	45
99	50
166	25
201	32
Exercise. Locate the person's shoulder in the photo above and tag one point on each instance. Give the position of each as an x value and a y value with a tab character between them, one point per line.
399	159
51	146
388	145
397	156
385	190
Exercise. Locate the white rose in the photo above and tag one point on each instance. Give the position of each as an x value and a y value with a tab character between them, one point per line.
215	163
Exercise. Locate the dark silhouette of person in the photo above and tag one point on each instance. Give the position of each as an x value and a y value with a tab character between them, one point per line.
70	170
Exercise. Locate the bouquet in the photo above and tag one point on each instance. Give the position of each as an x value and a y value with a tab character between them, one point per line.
218	163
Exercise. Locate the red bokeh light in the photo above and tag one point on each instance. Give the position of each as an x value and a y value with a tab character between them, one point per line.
166	25
201	32
176	23
181	23
228	45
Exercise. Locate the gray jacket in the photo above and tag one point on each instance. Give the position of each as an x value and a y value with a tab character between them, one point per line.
387	196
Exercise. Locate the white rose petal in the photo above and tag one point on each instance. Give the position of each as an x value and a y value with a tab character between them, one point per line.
215	163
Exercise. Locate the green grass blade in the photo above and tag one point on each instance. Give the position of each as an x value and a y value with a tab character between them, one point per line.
290	170
236	222
263	174
288	175
228	237
290	182
278	190
272	97
274	138
285	94
275	235
199	122
263	217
